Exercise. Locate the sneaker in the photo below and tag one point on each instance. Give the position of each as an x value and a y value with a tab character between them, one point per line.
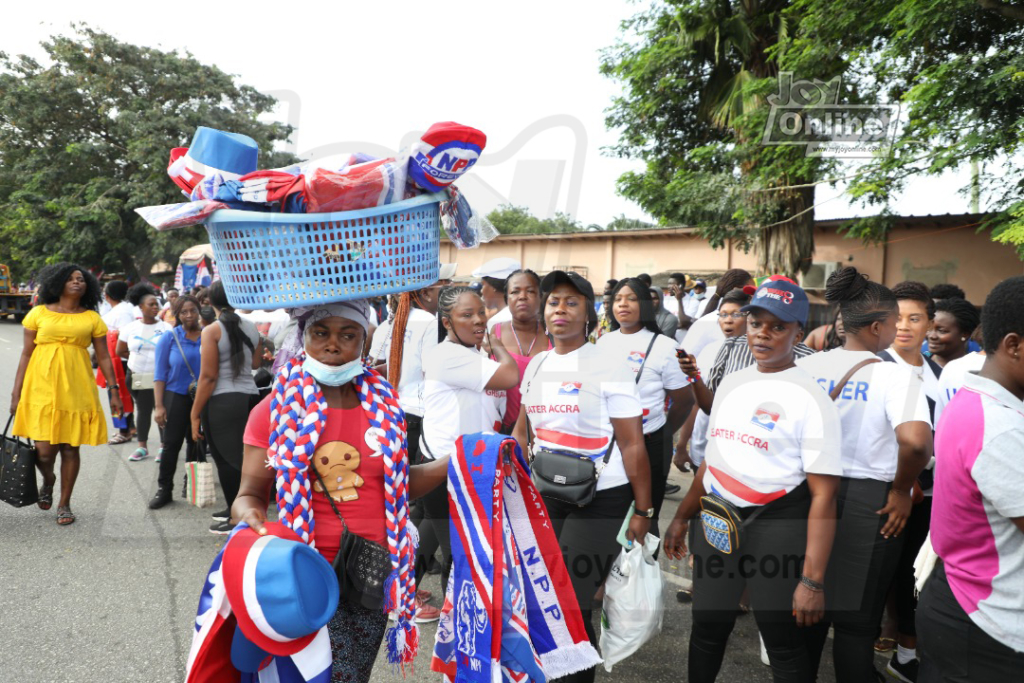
139	454
902	672
160	454
161	498
424	595
764	652
222	516
425	612
221	528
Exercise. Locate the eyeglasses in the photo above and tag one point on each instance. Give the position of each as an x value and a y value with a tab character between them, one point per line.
738	315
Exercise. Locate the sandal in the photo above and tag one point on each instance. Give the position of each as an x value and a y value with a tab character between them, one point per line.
119	439
45	501
139	454
65	516
884	645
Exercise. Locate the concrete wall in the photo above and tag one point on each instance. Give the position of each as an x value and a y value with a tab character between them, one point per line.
934	253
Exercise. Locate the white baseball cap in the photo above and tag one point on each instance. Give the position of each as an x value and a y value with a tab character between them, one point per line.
447	271
500	268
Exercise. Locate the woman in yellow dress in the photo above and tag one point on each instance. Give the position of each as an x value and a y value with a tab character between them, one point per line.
55	402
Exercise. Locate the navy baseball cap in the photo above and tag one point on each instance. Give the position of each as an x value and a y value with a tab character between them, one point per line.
783	298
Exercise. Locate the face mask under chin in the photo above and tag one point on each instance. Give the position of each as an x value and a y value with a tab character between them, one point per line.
333	375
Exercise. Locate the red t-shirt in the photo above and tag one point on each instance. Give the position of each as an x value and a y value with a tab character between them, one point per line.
353	474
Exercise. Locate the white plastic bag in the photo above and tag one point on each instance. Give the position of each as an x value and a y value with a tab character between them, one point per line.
633	606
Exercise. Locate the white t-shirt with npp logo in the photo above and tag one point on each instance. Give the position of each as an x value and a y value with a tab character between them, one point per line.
570	400
767	432
875	401
661	369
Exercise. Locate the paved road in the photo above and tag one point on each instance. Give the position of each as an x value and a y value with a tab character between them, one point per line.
112	597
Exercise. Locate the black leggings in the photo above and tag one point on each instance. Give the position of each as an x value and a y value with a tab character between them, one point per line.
860	571
903	584
177	432
769	564
436	516
224	421
144	404
588	536
655	445
952	648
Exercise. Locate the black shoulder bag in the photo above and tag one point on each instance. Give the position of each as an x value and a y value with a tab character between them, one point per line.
361	565
571	478
18	485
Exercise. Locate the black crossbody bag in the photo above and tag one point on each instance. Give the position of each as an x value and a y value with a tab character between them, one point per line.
571	478
362	566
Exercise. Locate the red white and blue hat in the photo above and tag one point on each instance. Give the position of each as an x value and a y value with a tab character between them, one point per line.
282	591
232	155
783	298
443	154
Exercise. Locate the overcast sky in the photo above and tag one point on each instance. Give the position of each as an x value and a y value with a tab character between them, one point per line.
371	76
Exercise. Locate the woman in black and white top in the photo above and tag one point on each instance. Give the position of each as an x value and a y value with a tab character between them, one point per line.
887	441
635	339
577	399
772	456
463	393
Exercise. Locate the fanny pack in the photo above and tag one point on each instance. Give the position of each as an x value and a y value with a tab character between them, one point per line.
362	566
721	520
567	477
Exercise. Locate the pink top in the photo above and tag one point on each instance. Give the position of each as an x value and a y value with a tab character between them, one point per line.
513	397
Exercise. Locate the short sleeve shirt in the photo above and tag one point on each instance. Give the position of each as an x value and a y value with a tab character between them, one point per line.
570	400
661	369
420	335
141	340
979	476
767	432
456	400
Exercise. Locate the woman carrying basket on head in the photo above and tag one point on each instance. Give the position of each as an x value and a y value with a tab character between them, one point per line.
350	472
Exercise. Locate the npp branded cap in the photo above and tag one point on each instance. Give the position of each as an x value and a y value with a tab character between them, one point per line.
784	299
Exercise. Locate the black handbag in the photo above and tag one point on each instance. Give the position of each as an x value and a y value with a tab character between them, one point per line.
566	477
362	566
18	485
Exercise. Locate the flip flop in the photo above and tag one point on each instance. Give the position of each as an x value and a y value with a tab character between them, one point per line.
45	497
65	516
119	439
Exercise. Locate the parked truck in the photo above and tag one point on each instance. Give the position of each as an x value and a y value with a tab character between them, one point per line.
12	302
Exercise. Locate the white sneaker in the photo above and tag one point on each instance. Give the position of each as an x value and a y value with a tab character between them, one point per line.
764	652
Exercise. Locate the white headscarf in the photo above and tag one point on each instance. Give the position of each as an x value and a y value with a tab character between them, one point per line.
357	310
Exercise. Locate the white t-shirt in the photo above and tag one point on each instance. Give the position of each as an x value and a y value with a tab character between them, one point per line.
502	316
699	439
141	340
925	373
767	432
420	335
692	304
455	400
703	332
952	379
570	401
661	369
875	401
119	316
670	304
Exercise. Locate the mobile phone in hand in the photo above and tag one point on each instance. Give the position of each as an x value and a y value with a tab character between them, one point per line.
681	353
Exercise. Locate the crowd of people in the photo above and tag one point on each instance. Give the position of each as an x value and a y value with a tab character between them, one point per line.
826	462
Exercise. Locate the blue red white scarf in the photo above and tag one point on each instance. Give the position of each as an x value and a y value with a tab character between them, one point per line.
510	613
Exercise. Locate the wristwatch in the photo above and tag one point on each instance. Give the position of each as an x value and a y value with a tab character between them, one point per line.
649	513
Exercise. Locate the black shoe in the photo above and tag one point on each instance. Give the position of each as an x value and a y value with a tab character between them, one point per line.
221	528
434	567
162	497
684	595
222	516
902	672
672	489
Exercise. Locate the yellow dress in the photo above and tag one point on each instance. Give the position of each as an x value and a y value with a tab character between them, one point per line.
59	399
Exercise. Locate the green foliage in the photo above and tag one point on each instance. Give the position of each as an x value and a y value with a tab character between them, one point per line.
85	140
517	220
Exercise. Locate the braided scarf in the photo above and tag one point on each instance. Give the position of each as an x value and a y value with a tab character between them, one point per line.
298	413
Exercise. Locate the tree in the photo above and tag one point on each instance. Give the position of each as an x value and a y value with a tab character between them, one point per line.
696	76
620	222
85	140
517	220
956	69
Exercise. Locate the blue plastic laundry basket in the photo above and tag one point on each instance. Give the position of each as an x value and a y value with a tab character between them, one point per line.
285	260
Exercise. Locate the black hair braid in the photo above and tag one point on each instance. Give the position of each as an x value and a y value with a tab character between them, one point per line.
737	277
861	301
446	300
648	316
963	311
232	324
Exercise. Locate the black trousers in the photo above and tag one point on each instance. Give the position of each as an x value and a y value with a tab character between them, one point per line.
144	405
769	564
952	648
860	571
588	536
177	432
224	421
915	533
655	443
